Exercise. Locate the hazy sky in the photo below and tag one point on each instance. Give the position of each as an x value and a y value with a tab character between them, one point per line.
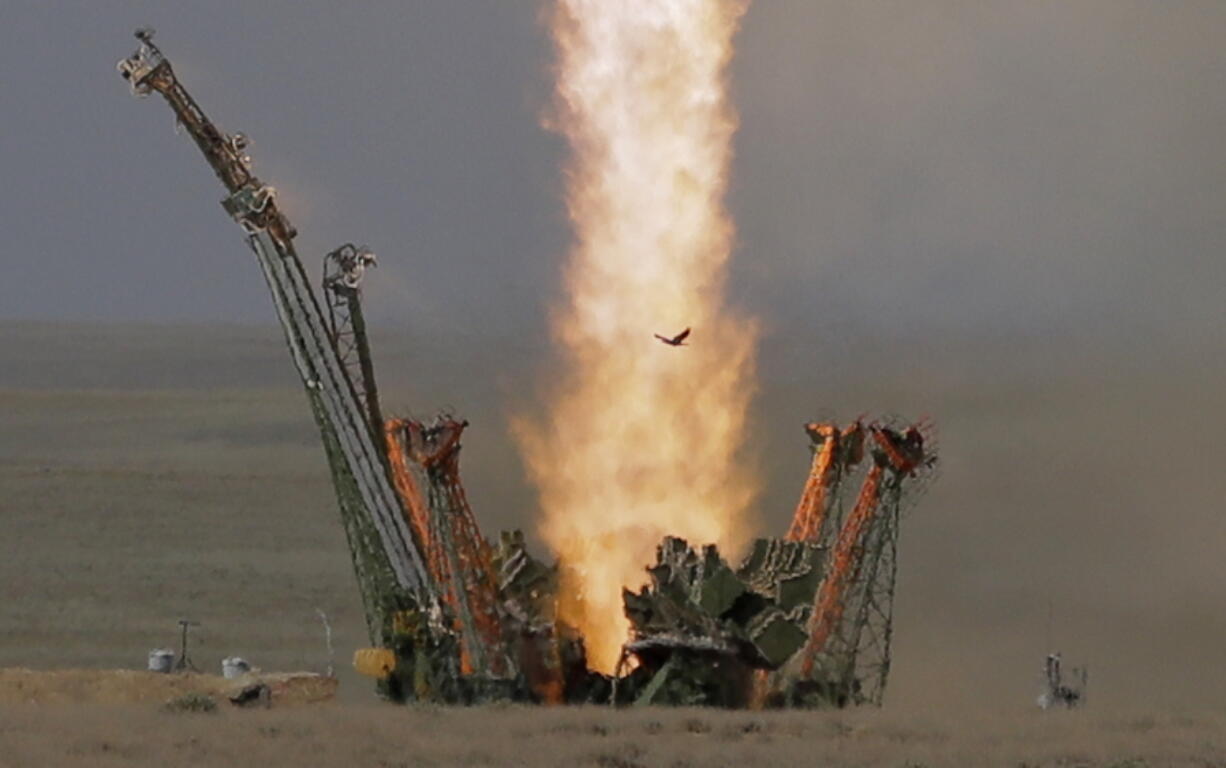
1012	167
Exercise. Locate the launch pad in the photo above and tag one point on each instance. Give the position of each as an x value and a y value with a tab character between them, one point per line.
805	620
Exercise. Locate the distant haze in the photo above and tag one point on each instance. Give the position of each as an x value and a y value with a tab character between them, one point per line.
1006	215
939	166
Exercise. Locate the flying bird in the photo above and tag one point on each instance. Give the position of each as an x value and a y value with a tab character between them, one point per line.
676	341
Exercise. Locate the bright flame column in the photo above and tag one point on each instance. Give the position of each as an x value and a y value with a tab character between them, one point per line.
642	439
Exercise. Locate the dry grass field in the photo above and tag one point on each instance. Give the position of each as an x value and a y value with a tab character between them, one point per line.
148	474
387	737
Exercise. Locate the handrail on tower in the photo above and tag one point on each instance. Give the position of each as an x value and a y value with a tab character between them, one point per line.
387	557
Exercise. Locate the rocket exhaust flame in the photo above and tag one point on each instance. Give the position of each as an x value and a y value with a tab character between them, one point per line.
642	439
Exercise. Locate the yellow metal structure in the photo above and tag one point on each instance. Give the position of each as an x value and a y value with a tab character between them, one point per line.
374	662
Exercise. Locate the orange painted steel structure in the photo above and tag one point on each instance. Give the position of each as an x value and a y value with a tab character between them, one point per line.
807	520
828	605
835	453
862	556
459	559
406	485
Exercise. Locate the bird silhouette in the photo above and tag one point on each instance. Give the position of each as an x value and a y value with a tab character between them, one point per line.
676	341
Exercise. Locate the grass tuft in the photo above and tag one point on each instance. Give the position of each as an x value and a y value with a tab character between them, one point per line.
191	702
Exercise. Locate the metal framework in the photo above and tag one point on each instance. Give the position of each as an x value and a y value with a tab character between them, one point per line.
387	557
434	600
835	454
342	284
851	620
426	457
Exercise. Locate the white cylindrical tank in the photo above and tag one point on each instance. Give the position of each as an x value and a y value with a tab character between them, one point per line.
234	667
161	660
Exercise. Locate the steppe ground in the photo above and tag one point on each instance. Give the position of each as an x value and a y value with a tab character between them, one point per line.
387	737
148	474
